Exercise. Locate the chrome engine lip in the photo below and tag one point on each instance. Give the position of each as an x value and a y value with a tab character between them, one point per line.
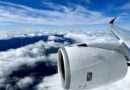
67	80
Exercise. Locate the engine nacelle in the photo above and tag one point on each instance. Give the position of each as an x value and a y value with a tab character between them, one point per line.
89	67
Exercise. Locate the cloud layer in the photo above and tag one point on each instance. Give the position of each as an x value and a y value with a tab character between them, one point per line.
26	66
60	15
50	14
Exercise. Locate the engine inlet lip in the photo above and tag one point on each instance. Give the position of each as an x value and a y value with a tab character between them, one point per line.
65	79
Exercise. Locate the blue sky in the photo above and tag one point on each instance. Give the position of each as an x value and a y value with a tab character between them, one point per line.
63	14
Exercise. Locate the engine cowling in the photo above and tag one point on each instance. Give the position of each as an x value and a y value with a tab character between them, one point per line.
89	67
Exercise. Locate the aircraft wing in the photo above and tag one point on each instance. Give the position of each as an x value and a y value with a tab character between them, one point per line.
123	36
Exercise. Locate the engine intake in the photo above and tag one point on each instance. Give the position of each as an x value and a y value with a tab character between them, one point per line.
89	67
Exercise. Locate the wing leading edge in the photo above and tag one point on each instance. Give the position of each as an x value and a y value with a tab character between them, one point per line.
123	36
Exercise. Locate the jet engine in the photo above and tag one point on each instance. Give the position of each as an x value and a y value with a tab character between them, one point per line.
88	66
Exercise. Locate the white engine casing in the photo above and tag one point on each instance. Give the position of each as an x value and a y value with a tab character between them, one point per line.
89	67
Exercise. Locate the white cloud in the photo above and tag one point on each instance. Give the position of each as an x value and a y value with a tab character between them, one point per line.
87	1
56	7
52	38
50	83
23	14
91	36
25	82
12	59
125	6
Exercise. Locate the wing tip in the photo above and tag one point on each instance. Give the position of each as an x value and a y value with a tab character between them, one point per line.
112	21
